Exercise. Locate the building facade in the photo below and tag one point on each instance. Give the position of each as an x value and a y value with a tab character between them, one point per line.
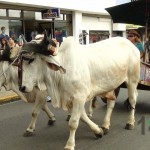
87	22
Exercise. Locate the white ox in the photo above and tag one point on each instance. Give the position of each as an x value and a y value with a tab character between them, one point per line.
91	70
111	96
9	79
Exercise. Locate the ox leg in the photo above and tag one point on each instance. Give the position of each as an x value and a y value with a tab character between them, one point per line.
94	127
92	105
132	92
68	117
35	112
49	114
76	112
69	107
106	122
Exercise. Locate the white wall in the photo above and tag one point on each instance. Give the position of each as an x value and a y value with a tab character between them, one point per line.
95	6
119	27
89	23
94	23
77	24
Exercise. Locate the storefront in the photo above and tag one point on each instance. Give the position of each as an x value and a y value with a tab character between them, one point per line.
97	27
90	28
97	35
86	26
18	19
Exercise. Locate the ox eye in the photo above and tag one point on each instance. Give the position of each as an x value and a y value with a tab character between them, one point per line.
30	61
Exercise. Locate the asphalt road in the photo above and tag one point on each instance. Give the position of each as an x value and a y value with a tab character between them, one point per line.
15	117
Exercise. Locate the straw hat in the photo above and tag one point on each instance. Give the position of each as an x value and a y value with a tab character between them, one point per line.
134	33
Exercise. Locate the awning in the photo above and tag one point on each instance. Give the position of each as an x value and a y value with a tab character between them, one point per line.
137	12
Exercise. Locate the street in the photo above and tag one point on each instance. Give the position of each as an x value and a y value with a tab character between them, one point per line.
15	117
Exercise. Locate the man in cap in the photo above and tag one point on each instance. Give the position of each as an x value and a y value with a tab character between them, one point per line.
135	38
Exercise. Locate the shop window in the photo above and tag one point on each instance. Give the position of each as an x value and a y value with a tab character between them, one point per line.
60	31
95	36
3	12
15	28
4	23
117	33
29	15
15	13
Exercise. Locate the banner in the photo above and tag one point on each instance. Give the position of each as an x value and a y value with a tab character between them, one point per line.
50	13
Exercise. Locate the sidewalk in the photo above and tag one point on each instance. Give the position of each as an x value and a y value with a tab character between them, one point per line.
7	96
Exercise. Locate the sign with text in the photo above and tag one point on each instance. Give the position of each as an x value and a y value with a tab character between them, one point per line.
50	13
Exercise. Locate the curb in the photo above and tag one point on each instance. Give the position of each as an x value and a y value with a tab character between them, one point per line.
10	98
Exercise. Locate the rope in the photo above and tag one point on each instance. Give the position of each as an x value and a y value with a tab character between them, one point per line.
9	66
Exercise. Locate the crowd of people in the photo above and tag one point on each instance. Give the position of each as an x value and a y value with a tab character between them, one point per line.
13	41
16	42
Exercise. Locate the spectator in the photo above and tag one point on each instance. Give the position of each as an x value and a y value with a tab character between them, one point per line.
13	42
135	38
33	34
20	40
14	47
3	34
3	43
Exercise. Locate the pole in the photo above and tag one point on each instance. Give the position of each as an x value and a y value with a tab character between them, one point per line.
146	28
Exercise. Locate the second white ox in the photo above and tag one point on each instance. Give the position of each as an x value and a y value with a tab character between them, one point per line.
9	79
91	70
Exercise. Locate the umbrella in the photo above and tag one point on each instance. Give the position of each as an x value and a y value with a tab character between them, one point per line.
137	12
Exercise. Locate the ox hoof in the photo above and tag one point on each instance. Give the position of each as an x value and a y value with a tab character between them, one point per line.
68	148
28	134
99	135
129	126
105	130
68	118
51	122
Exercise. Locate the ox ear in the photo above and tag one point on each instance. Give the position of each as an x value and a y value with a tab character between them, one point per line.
53	64
55	67
41	86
